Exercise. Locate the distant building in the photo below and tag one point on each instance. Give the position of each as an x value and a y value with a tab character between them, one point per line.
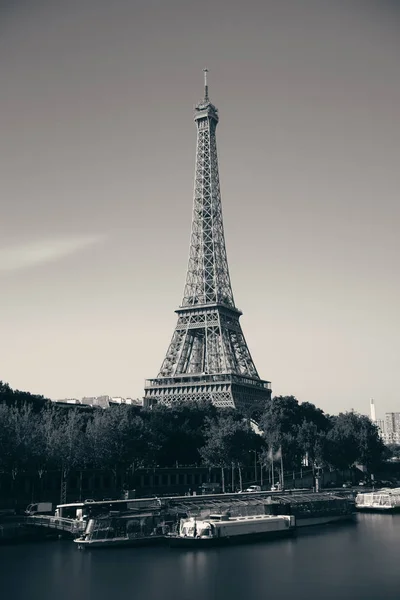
101	401
392	428
131	401
72	403
135	401
380	423
68	401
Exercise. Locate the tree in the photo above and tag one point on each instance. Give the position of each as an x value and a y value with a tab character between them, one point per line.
311	414
312	443
393	451
7	439
354	438
371	449
228	440
19	440
68	445
117	440
177	432
49	423
17	398
280	423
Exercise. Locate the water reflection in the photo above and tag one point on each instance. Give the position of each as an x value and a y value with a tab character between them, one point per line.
353	562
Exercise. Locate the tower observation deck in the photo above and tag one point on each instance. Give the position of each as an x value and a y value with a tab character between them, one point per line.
208	357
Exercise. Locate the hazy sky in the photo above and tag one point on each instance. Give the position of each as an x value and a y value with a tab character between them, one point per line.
97	151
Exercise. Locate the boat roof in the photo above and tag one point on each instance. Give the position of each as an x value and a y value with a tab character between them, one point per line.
115	503
215	519
215	502
389	491
126	516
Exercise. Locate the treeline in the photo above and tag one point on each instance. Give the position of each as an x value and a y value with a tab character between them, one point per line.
17	398
37	435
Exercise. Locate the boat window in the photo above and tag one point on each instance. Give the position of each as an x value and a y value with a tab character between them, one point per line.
205	532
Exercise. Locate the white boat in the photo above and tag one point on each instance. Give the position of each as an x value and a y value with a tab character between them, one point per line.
223	529
384	500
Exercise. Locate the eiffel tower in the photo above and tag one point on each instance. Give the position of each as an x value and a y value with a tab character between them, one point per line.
208	357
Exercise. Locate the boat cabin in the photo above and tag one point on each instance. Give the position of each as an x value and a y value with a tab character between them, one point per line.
218	526
384	499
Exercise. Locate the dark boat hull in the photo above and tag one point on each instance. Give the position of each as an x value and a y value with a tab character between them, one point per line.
325	520
378	509
120	542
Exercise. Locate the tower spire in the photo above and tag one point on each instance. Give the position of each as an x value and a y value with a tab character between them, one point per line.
206	98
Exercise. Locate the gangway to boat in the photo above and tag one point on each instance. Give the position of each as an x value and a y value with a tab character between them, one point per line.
72	527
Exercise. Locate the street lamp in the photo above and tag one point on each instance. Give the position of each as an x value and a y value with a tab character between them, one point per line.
317	478
255	465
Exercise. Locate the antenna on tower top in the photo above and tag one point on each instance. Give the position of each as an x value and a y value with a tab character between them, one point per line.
205	71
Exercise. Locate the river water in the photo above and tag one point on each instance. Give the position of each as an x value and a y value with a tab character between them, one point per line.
356	561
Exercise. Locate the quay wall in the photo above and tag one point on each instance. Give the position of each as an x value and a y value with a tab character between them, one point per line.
98	484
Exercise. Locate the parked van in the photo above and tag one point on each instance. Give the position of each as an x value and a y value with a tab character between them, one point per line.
40	508
254	488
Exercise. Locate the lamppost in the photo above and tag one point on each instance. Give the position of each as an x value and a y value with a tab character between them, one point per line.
317	478
255	465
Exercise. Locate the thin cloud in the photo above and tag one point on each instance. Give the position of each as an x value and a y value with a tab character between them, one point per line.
44	251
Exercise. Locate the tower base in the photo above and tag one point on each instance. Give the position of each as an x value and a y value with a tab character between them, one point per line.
224	390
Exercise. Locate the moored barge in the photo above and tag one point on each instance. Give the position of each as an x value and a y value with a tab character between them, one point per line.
220	530
121	530
384	500
147	521
313	509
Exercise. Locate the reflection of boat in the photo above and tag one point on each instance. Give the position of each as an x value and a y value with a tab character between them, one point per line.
121	530
223	529
313	509
385	500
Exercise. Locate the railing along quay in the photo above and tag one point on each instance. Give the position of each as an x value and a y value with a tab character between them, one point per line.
71	526
253	495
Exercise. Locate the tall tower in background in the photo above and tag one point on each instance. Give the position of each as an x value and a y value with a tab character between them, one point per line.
372	409
380	423
208	357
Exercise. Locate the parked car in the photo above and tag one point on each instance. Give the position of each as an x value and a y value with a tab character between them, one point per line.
276	487
254	488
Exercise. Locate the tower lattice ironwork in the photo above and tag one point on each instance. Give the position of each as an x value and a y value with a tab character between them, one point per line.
208	357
